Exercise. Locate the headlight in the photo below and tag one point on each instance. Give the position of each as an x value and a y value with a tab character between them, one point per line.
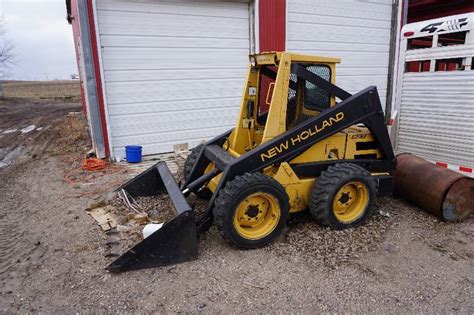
253	61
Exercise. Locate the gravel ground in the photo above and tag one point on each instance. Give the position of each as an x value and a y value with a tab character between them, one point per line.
322	246
304	237
404	261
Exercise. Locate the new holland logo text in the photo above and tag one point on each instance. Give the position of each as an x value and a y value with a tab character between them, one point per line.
305	134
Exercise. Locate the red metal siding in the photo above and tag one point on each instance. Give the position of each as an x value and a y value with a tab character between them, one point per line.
272	25
421	10
98	78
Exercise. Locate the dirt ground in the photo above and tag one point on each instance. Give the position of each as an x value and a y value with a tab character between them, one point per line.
52	251
43	90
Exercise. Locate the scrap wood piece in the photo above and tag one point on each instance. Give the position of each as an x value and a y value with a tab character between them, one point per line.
138	218
104	217
181	150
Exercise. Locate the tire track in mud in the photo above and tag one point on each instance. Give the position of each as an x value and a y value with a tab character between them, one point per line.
22	186
18	252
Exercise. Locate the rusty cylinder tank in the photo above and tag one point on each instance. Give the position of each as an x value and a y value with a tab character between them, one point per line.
440	191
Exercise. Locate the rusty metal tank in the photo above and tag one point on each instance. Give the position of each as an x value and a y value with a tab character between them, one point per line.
447	194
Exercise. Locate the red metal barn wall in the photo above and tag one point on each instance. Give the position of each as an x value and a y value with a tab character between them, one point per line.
272	25
422	10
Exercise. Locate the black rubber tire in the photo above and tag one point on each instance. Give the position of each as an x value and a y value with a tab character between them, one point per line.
233	193
204	193
328	184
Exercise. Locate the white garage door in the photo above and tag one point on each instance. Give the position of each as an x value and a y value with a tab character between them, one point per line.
357	31
174	70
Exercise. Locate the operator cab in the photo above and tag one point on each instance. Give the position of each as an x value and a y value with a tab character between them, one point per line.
305	99
291	100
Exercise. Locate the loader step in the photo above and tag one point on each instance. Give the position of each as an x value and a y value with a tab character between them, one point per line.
218	156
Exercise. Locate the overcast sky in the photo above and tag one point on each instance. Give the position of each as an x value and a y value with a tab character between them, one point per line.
43	39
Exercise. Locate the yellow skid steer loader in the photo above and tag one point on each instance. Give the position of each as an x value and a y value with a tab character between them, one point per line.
293	148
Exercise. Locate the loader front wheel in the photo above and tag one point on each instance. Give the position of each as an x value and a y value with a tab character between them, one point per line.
204	193
251	210
343	196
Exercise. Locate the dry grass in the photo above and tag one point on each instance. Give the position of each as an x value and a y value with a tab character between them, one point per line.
69	136
47	90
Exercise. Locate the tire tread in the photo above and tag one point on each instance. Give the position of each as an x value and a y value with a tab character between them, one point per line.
328	181
231	189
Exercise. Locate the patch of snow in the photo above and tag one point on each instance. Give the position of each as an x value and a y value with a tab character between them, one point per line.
10	130
30	128
12	155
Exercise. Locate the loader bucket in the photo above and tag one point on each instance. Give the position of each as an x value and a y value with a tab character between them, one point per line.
176	240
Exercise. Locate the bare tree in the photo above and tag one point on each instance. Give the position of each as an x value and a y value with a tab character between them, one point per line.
7	55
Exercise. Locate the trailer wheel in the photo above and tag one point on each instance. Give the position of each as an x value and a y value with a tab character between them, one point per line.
343	196
204	193
251	210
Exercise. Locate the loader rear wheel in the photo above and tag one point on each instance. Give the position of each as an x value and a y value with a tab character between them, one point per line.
204	193
343	196
251	210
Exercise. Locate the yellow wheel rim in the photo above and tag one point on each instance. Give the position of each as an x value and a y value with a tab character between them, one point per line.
257	216
350	202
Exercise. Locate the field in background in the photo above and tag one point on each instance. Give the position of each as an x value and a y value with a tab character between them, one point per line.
57	90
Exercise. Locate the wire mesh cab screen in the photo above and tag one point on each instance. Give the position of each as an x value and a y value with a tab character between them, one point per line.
301	93
315	97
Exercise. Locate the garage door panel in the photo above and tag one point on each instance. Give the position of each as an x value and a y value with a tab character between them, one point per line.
146	91
327	46
177	105
351	9
348	83
173	70
171	42
171	121
361	70
169	136
173	74
190	26
134	59
305	17
232	9
319	32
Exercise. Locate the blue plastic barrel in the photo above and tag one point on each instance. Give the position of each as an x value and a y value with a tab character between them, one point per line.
133	153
